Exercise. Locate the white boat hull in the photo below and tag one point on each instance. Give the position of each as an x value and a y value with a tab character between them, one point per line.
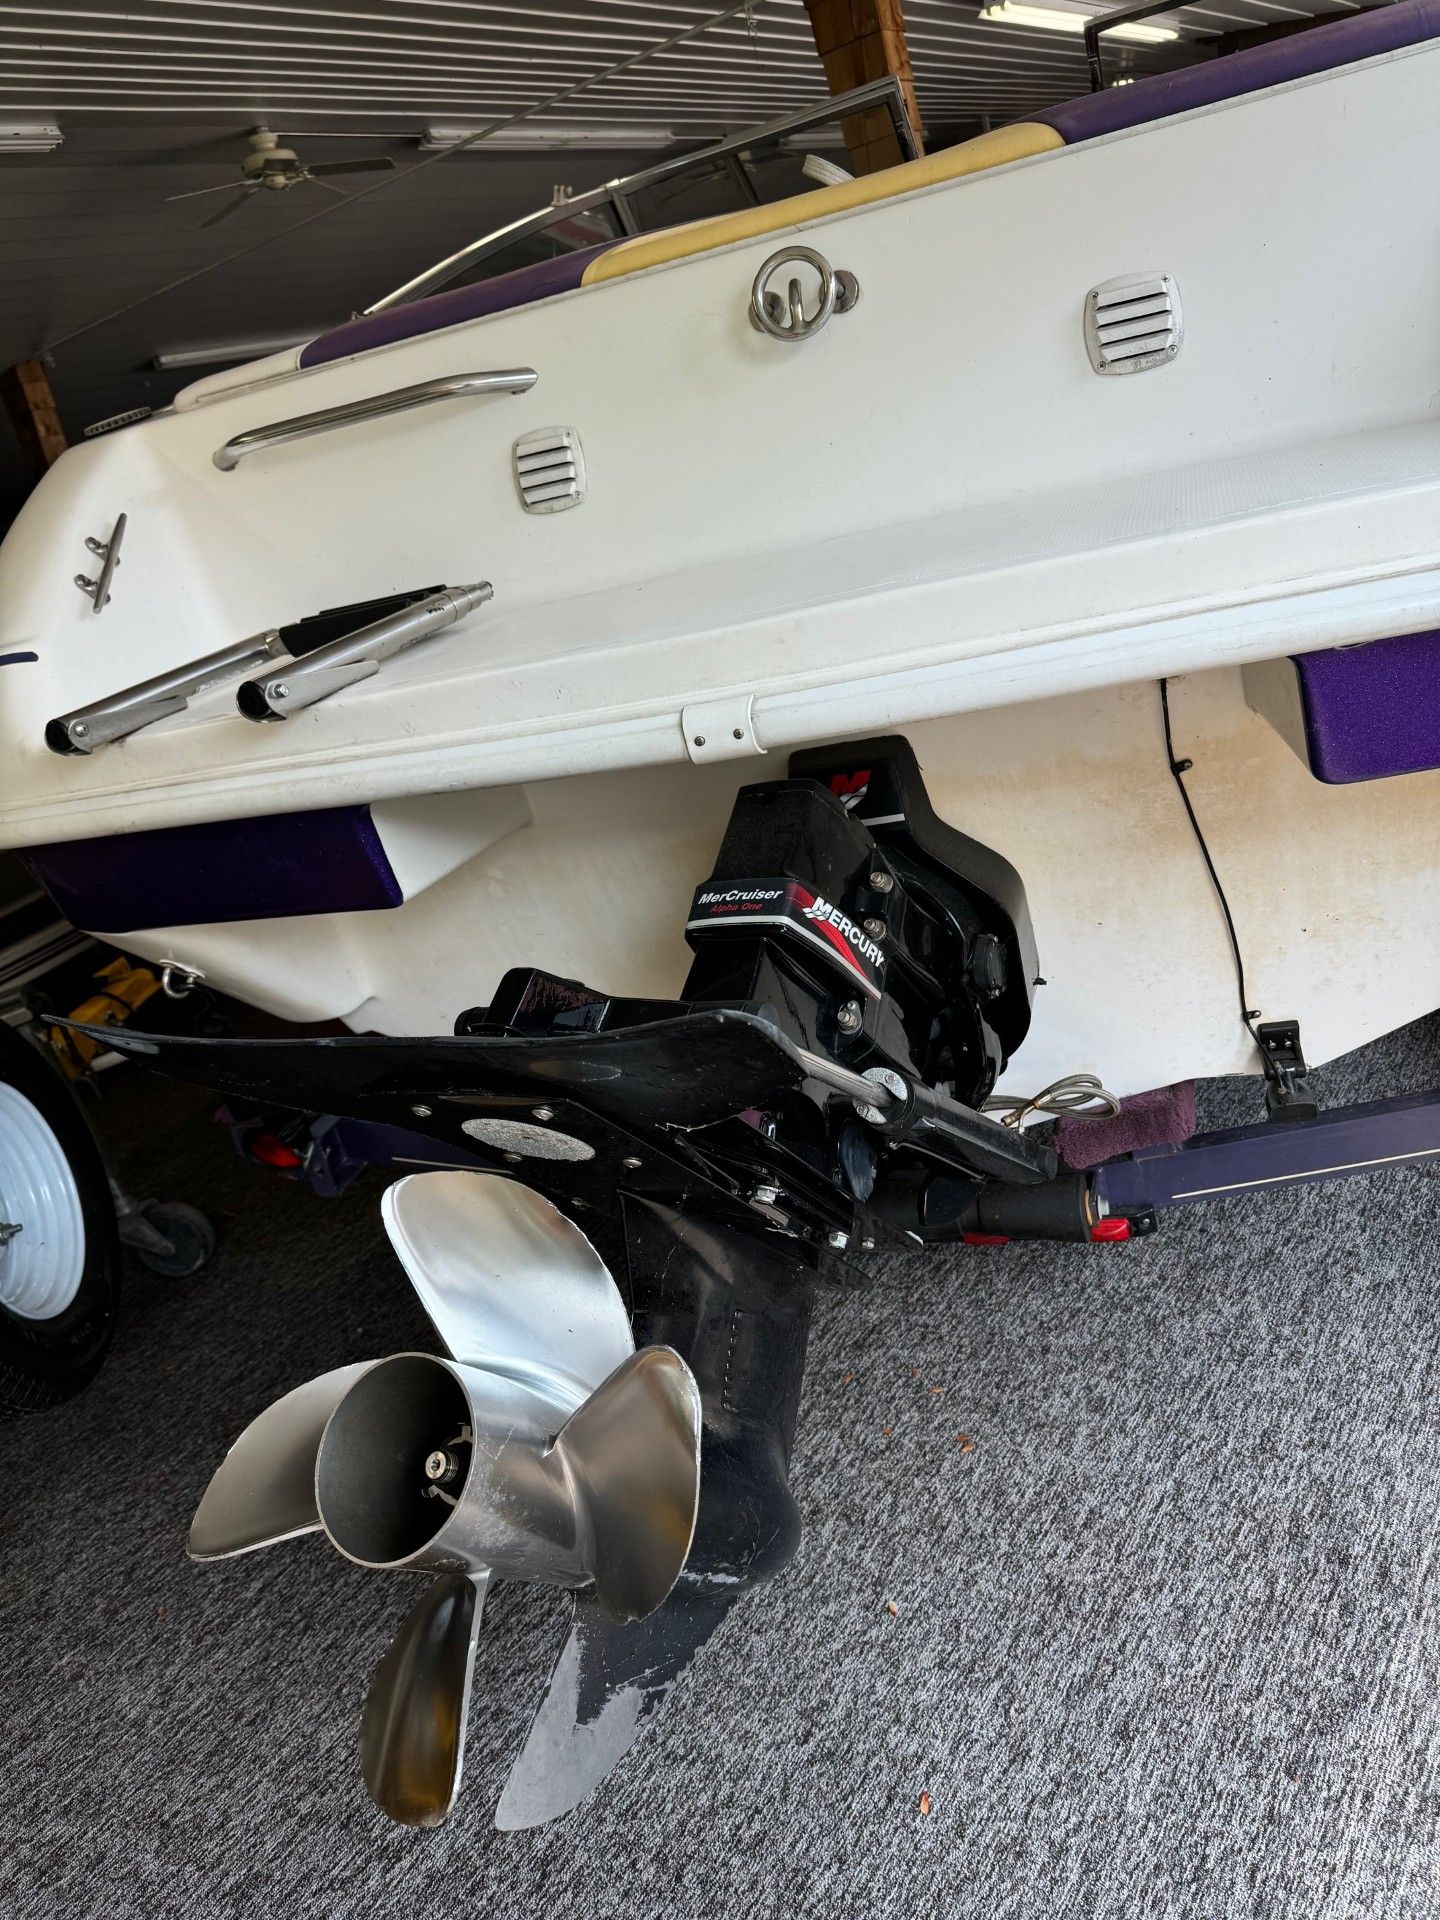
934	518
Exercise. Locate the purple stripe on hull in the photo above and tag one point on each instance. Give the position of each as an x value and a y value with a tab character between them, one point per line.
1372	711
330	861
517	289
1297	55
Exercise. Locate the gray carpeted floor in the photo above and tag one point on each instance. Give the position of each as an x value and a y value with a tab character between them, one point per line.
1167	1640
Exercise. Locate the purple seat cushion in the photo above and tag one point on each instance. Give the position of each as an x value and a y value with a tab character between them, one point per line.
506	290
1358	37
1372	711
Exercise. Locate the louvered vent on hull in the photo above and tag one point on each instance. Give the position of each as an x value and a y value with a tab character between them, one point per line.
550	469
1133	323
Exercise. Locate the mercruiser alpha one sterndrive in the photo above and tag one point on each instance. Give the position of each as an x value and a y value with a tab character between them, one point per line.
1093	459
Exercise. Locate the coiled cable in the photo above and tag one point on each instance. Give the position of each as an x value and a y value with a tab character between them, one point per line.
1073	1093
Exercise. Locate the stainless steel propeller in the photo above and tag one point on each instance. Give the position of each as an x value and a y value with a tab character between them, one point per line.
545	1448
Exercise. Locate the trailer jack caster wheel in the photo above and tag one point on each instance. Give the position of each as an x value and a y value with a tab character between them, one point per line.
167	1236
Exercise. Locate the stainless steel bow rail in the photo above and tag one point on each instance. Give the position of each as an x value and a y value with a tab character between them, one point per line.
454	386
304	680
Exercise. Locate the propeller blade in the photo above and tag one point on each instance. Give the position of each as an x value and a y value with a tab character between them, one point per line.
225	212
508	1280
607	1683
263	1490
632	1456
372	163
340	191
412	1737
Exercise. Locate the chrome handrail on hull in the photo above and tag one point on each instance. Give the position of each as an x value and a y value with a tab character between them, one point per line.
453	386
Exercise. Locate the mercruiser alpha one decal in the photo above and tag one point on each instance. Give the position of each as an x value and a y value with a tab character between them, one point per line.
790	904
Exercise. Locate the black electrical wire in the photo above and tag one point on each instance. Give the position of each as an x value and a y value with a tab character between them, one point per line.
1178	770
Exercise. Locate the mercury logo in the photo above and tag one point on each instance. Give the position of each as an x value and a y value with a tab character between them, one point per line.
824	911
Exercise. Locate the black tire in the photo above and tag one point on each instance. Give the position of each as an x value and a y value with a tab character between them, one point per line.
44	1362
191	1237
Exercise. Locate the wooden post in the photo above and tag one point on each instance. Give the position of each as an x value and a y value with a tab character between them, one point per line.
25	389
860	40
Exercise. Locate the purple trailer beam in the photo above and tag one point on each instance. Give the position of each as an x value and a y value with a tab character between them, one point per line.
1277	1153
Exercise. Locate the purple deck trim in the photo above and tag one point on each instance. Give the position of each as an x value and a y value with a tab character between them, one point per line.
1337	44
517	289
1372	711
330	861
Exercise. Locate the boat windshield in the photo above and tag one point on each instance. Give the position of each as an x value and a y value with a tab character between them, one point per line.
751	168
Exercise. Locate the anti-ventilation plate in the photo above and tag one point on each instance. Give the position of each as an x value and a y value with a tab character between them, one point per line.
1133	323
550	469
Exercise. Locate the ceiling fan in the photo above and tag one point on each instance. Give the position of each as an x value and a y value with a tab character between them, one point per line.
269	166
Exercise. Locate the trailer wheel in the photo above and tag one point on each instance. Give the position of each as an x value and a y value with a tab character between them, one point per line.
59	1254
189	1235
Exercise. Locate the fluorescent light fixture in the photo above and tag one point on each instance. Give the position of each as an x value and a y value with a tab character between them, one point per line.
33	136
534	136
230	353
1014	13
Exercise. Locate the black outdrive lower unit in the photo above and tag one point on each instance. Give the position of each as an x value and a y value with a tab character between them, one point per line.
861	975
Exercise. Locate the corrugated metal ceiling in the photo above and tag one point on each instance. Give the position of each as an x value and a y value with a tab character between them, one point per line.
339	60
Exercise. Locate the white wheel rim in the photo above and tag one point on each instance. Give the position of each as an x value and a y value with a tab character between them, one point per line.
40	1266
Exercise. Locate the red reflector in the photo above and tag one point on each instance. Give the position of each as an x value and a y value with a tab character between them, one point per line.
1115	1228
986	1239
271	1151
